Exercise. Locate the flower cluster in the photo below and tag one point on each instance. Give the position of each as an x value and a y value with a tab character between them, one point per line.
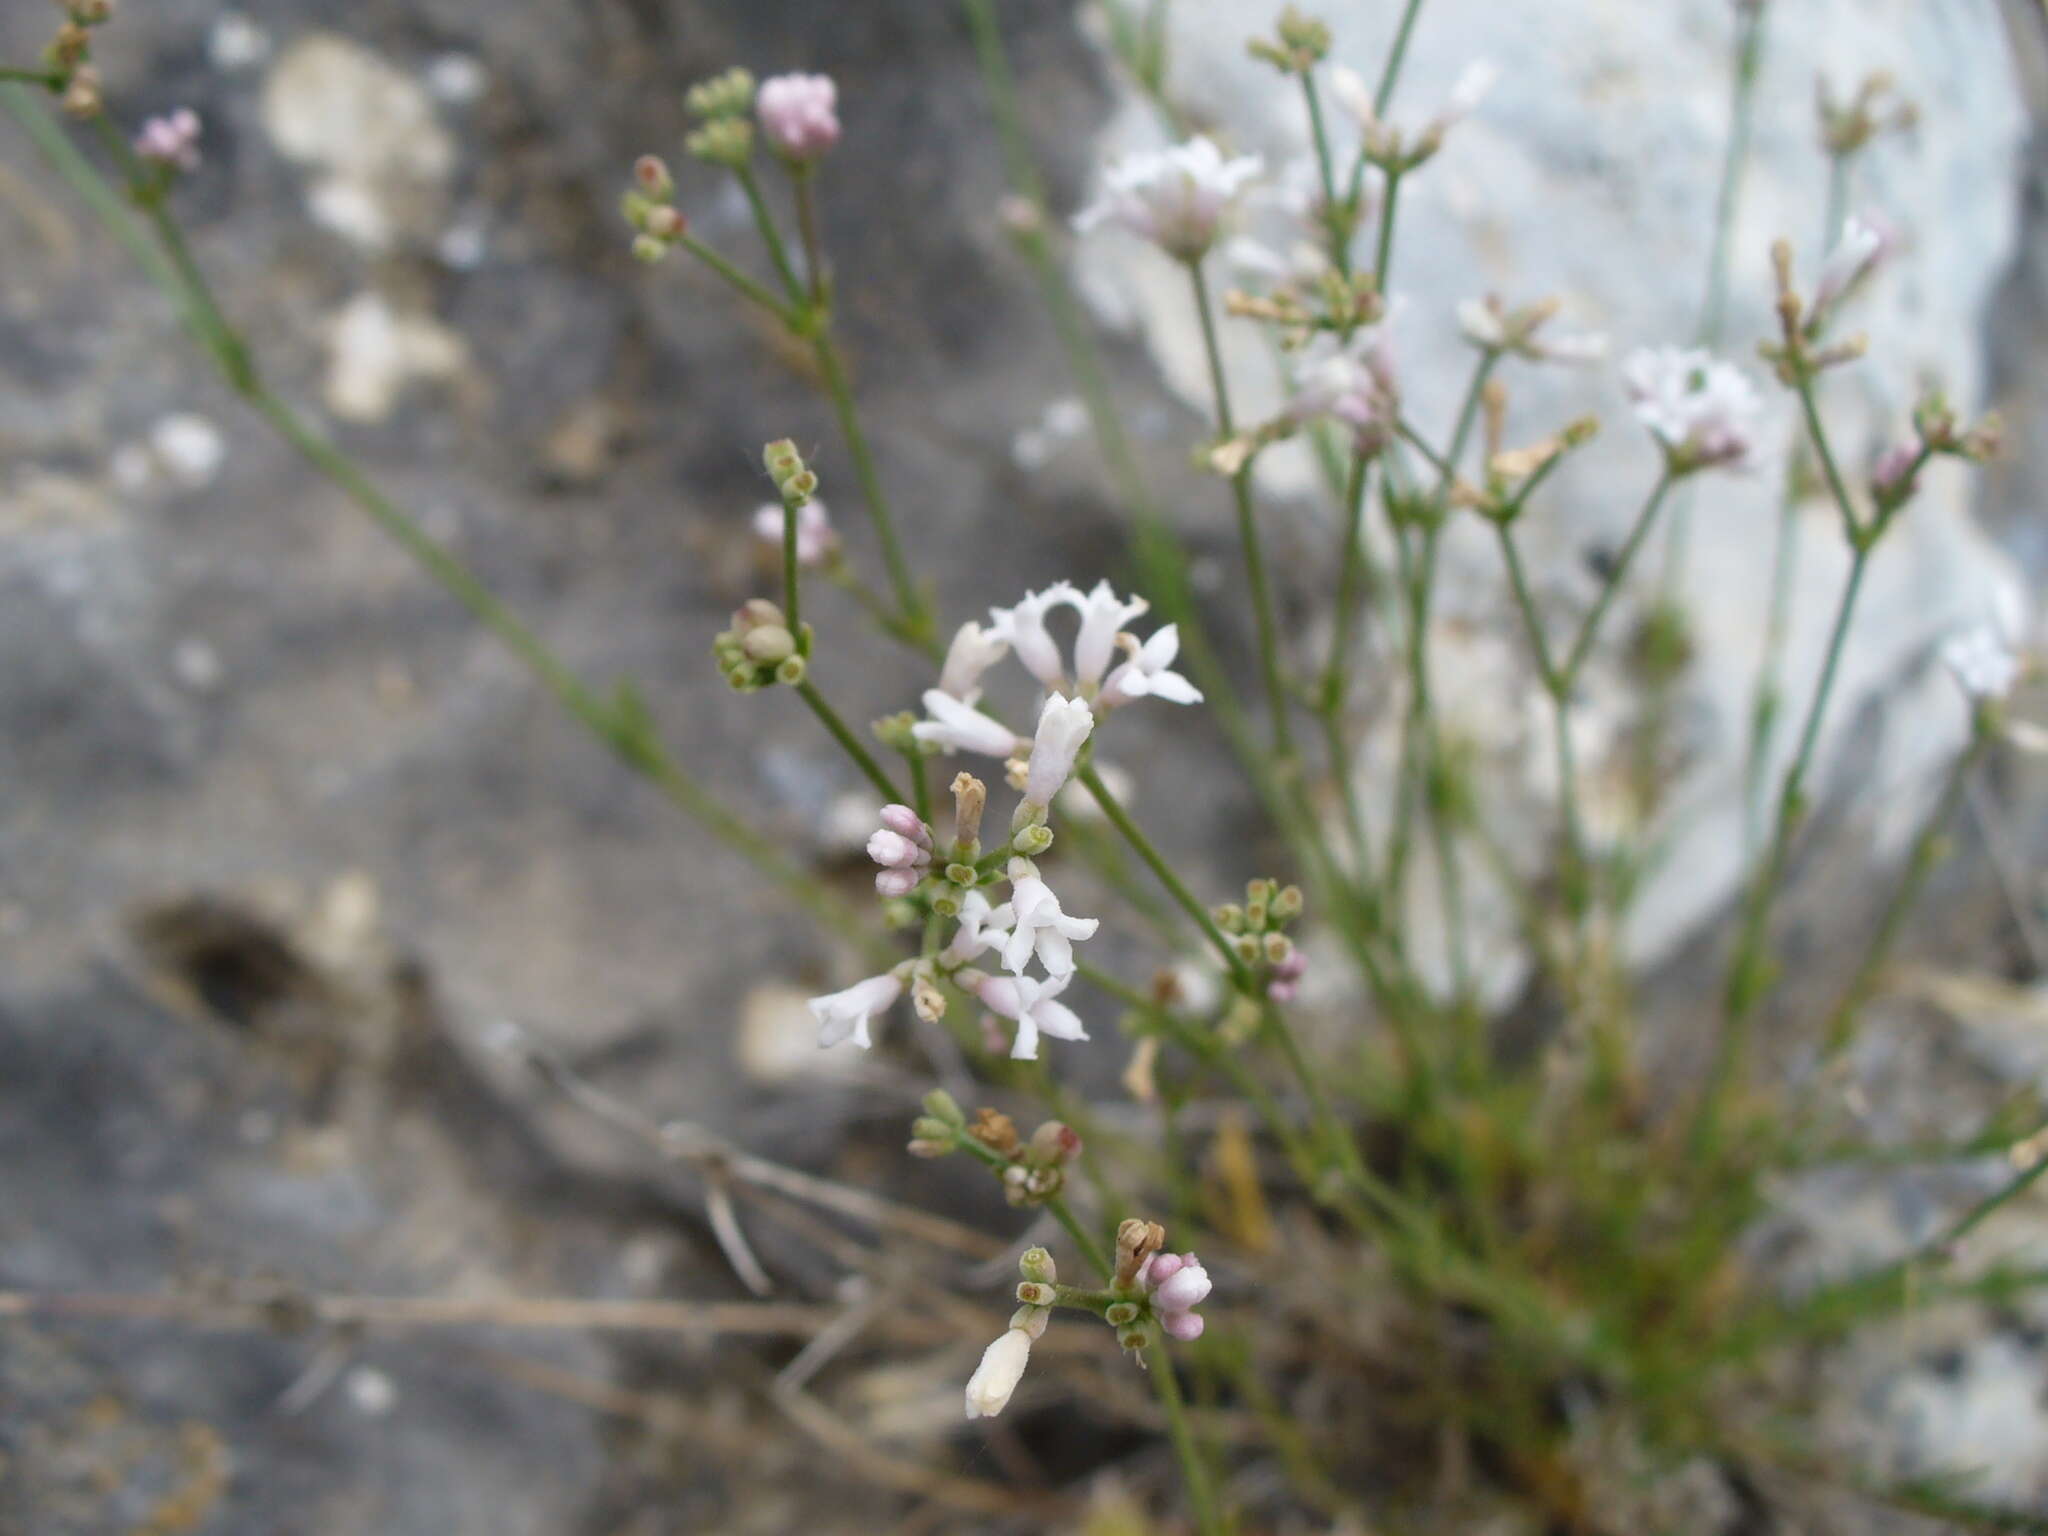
1256	933
171	141
1390	147
799	115
1108	668
1704	412
1176	198
1149	1288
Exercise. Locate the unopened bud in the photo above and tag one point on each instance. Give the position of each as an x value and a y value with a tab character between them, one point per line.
931	1128
941	1105
1037	1264
649	249
650	173
1229	917
792	670
1287	903
768	644
1033	840
1054	1144
1031	1320
665	222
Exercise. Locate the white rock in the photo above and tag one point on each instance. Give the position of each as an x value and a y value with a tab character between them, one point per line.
190	448
380	157
236	42
373	353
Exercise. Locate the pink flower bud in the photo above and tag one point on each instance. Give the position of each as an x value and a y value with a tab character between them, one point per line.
905	822
897	882
1185	1326
1186	1288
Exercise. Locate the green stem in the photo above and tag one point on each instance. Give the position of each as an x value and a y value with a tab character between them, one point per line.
744	285
1201	1496
1920	863
1163	872
1383	246
916	620
49	80
1247	527
1091	1248
1589	630
792	595
1383	94
1734	164
802	180
771	235
850	743
1336	215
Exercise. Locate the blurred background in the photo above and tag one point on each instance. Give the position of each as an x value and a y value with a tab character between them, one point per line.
290	847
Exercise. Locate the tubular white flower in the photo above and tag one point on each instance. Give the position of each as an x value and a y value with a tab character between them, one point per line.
982	928
1002	1367
1042	929
1176	198
1863	245
1985	667
1063	726
958	727
973	651
845	1015
1031	1003
1704	411
1023	629
1103	616
1148	674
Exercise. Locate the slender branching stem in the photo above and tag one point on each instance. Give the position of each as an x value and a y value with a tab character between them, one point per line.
1163	872
1247	528
1920	863
750	290
851	744
771	234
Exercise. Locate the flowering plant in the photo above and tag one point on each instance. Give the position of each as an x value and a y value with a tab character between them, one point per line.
1490	1240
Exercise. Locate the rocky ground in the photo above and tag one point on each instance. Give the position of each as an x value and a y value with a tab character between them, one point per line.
297	866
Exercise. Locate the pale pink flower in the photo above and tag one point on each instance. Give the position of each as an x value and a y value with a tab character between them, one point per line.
1103	617
799	114
1864	245
1023	628
171	140
1705	412
1176	198
1033	1004
982	928
816	539
902	845
1177	1284
1351	380
1984	665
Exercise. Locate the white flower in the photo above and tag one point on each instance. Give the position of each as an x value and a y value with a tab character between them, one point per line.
958	727
1063	725
1002	1367
1351	380
1103	616
815	538
973	651
1176	198
1864	243
1032	1003
845	1015
1147	674
1023	629
1983	664
982	928
1042	929
1704	411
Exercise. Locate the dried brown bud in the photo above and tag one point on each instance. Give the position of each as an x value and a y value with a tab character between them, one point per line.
1136	1241
996	1131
